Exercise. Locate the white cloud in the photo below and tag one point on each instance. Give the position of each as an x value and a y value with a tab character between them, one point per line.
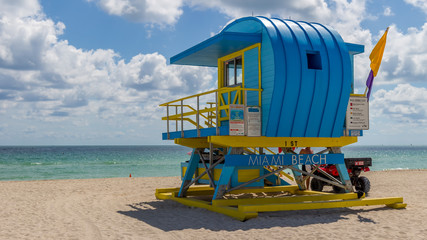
405	56
24	40
418	3
342	15
405	103
19	8
45	80
304	9
162	12
387	12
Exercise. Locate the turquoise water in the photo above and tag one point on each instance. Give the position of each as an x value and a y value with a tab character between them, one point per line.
77	162
391	157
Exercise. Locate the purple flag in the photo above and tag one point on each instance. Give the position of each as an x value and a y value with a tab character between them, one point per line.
369	82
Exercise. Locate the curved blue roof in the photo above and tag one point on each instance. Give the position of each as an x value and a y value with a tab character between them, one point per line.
306	69
207	52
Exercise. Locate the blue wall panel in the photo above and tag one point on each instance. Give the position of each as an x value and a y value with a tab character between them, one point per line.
251	75
308	78
279	73
321	83
335	84
267	78
291	79
347	79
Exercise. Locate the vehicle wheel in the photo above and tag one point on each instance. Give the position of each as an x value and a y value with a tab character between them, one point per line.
338	189
316	185
363	184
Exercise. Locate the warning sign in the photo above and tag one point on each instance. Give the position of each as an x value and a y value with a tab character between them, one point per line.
357	113
253	121
237	120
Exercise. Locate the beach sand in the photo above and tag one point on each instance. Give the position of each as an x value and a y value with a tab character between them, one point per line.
125	208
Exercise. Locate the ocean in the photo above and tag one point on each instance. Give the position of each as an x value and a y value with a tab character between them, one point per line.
81	162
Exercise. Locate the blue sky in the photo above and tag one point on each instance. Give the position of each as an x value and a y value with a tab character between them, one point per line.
89	72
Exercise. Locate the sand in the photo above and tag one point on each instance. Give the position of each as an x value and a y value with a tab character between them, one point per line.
125	208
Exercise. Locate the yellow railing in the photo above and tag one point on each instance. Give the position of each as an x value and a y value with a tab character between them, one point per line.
213	111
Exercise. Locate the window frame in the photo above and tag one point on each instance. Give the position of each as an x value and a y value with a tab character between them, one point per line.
226	80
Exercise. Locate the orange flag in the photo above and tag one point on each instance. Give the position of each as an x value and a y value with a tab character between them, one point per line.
377	53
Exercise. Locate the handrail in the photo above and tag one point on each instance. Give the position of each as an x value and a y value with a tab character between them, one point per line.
194	112
212	112
221	90
190	107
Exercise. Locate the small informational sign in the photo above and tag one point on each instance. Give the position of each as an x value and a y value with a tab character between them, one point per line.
237	120
253	121
357	113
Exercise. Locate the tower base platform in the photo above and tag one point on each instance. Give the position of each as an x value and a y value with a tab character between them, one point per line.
244	204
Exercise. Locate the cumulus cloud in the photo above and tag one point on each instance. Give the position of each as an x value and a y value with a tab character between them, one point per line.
343	15
19	8
418	3
150	72
405	56
44	79
405	103
304	9
161	12
24	40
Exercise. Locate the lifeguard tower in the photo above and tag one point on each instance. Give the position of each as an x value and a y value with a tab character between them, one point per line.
281	84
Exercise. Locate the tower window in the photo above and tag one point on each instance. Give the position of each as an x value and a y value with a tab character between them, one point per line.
233	72
314	61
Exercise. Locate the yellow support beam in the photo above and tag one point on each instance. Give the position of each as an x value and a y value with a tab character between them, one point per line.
193	191
286	199
321	205
397	205
246	208
243	141
229	211
192	142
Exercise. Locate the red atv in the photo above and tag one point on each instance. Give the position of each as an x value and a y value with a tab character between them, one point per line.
354	167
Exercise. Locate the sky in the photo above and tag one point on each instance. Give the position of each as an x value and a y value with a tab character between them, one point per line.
93	72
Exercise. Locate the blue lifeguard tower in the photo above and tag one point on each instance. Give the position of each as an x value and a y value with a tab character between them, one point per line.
281	84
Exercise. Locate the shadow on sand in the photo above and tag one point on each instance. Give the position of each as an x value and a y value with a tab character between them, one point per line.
170	216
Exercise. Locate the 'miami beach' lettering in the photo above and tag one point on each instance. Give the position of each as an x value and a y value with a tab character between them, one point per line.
302	159
266	160
286	159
